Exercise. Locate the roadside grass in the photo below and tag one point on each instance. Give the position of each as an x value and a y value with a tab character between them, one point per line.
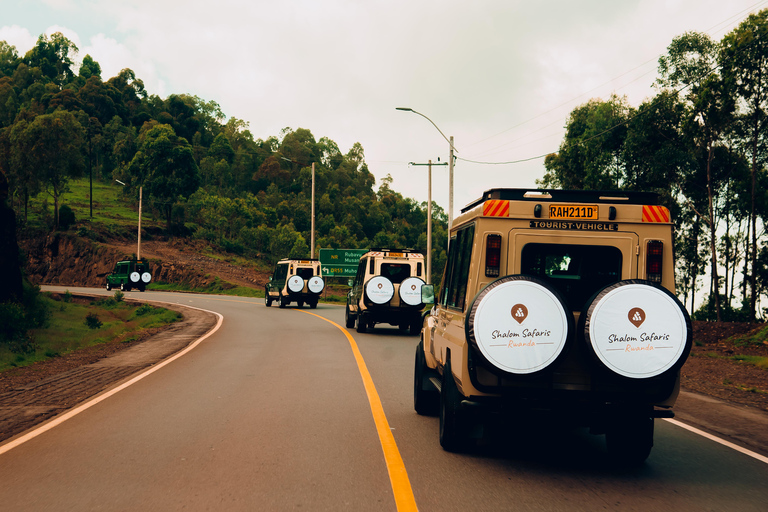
114	213
759	361
69	331
756	337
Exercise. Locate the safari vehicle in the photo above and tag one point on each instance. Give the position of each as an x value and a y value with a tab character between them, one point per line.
298	281
387	289
129	274
558	306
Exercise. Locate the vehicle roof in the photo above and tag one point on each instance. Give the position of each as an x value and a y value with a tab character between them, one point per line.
569	196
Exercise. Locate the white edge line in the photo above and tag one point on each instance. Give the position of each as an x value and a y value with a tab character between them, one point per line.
58	420
723	442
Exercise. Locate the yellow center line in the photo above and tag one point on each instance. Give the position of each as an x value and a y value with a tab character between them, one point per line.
398	477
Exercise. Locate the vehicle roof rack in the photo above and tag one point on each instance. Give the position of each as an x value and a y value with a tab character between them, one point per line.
566	196
386	249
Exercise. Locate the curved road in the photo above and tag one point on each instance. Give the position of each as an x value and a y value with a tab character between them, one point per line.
277	411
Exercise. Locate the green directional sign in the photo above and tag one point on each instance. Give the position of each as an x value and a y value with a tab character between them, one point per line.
340	262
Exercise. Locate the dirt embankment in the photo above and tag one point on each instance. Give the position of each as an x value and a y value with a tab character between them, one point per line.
67	260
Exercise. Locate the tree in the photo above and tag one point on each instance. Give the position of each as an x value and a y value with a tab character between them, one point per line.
590	157
50	148
691	61
744	60
165	166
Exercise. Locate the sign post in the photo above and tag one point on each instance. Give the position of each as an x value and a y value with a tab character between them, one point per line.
340	262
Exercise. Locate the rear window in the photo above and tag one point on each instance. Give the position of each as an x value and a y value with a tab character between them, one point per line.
395	272
305	272
576	271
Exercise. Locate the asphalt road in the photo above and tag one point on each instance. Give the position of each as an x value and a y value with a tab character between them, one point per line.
276	411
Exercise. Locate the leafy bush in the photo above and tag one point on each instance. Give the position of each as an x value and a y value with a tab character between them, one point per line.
144	309
66	217
119	296
92	321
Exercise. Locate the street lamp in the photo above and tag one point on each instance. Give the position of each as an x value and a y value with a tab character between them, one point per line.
450	162
138	247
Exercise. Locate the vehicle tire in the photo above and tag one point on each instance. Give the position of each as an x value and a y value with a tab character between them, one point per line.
109	287
453	435
415	328
426	399
142	288
349	320
313	304
267	299
361	323
282	301
299	304
629	439
655	330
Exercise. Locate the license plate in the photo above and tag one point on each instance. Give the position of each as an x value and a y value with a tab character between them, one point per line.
573	211
395	255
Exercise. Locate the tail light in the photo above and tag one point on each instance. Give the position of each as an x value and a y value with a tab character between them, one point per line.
492	255
653	260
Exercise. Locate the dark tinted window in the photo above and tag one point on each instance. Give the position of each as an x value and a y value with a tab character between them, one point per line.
456	276
395	272
305	272
576	271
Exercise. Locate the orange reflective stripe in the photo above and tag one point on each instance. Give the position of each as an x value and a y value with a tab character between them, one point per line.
655	214
496	208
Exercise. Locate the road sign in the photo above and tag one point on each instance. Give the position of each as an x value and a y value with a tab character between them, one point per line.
340	262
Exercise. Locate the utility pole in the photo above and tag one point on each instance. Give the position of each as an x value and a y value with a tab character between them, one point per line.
429	217
312	236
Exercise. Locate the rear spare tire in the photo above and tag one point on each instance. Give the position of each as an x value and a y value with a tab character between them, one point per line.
519	324
379	290
295	284
637	329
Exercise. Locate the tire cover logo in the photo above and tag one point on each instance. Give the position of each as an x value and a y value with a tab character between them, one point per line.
295	284
146	277
410	291
520	326
316	284
637	331
135	277
379	290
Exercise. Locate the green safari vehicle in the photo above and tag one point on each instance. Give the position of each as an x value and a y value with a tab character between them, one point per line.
129	274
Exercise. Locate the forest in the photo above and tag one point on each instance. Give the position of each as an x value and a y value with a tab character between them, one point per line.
700	142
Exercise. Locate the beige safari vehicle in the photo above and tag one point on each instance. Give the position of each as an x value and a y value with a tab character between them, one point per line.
298	281
555	305
387	289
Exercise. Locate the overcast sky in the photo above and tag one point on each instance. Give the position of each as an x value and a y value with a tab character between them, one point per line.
500	76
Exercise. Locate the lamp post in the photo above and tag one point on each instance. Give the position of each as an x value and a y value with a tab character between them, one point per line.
450	162
429	217
138	247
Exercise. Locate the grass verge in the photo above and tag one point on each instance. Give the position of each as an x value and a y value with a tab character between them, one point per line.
76	325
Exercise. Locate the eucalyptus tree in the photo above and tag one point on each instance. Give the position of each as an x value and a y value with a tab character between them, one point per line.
744	60
49	150
165	166
591	155
690	66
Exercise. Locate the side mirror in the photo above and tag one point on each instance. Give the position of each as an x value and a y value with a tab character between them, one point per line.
428	294
350	282
270	279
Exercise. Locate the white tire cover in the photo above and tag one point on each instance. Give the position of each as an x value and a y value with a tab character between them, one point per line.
316	284
379	290
295	284
410	291
519	324
135	277
638	330
146	277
